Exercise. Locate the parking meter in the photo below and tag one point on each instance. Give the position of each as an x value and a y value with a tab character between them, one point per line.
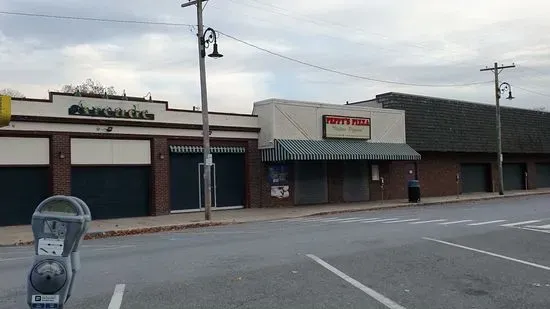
58	224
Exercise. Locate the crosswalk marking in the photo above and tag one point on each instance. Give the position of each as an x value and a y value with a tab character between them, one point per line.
544	227
429	221
400	221
486	222
520	223
455	222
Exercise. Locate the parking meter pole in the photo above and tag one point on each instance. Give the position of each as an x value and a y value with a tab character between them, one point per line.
58	224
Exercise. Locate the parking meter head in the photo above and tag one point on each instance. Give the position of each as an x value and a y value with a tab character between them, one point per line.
59	220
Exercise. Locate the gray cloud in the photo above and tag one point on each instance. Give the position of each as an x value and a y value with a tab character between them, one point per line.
427	43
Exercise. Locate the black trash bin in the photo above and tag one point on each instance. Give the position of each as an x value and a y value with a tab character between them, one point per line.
414	191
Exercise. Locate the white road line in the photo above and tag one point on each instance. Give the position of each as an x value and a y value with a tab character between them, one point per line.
372	293
401	221
489	253
429	221
15	259
521	223
486	222
339	219
534	230
116	300
455	222
544	227
381	220
358	220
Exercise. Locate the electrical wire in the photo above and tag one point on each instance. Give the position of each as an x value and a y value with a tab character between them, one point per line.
532	91
248	44
348	74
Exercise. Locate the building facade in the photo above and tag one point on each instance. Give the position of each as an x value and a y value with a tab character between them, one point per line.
457	141
316	153
126	157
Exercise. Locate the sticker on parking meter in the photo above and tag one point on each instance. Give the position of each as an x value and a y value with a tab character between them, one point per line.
49	246
45	301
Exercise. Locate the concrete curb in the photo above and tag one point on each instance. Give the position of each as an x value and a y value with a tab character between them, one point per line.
180	227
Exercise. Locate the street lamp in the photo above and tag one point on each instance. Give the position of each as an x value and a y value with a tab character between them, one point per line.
204	39
503	88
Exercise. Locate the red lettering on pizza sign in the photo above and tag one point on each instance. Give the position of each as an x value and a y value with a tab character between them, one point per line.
347	121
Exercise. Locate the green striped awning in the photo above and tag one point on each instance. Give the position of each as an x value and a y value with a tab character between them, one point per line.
337	149
213	149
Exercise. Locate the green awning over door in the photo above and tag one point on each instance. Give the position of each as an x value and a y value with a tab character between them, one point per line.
214	149
337	149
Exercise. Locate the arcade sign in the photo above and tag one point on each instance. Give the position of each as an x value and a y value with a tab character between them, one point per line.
96	111
346	127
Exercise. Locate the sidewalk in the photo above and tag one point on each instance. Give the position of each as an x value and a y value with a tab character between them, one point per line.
22	234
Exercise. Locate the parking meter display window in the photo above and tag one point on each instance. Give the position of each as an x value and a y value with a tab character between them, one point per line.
59	207
48	277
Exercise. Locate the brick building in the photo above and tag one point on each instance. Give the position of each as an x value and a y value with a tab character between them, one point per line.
125	156
325	153
459	138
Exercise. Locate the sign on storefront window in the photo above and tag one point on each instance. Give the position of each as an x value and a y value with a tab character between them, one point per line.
346	127
278	180
5	110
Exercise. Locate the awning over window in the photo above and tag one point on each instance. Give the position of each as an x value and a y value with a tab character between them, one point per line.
214	149
290	150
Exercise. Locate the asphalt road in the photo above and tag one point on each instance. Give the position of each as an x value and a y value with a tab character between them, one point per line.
493	254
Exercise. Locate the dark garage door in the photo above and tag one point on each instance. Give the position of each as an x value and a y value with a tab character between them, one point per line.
310	182
113	192
543	175
475	177
356	181
22	189
229	173
514	176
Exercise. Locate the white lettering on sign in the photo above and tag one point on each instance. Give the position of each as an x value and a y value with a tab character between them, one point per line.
45	301
50	246
346	127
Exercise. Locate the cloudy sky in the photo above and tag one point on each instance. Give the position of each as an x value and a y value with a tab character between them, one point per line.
428	42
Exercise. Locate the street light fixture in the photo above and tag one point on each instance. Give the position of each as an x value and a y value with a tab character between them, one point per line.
204	40
506	87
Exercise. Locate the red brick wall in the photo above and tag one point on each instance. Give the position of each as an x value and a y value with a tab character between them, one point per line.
395	174
254	175
60	146
437	171
160	180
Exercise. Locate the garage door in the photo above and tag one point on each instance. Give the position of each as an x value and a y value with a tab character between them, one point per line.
113	192
543	175
22	189
514	176
186	183
310	182
475	177
356	181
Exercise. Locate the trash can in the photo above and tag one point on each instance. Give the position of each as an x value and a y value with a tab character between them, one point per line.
414	191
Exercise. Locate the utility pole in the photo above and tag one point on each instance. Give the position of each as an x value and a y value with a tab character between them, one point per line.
496	71
207	157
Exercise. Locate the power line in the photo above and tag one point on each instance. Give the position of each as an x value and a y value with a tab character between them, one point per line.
144	22
348	74
246	43
532	91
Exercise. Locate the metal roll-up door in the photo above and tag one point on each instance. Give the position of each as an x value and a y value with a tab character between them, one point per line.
230	179
184	181
543	175
22	189
514	176
475	177
113	191
310	182
356	181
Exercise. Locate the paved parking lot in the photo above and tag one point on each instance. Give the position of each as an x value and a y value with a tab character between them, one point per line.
490	254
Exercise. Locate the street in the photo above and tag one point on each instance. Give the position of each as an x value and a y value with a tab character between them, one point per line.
491	254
